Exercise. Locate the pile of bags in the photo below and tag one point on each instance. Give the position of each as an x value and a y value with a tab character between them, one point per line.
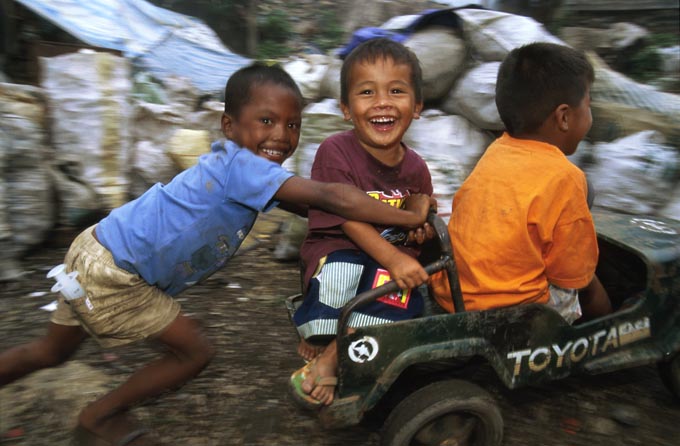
634	133
95	135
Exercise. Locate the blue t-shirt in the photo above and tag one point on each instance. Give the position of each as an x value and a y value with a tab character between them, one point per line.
174	235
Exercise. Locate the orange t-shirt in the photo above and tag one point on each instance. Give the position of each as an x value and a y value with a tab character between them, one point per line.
519	222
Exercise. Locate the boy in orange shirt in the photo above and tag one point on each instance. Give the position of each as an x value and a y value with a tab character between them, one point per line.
520	225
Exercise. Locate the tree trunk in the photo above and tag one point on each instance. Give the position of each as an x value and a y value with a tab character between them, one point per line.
251	28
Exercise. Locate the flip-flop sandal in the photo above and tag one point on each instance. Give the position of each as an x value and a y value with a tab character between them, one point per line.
85	437
303	398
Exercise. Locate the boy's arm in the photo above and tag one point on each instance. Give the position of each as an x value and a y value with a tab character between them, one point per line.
594	300
404	269
352	203
299	209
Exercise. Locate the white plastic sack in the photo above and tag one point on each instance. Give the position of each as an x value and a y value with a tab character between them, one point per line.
319	121
308	71
670	59
329	86
672	208
442	57
208	118
88	95
27	205
621	106
451	146
155	126
635	174
155	122
151	164
494	34
181	93
289	240
474	97
322	119
78	202
186	146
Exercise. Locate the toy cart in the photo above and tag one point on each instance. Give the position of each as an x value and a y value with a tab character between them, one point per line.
418	368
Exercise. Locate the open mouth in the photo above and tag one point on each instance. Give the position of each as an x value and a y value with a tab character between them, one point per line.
274	154
383	123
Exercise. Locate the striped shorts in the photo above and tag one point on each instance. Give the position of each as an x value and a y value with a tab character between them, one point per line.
339	277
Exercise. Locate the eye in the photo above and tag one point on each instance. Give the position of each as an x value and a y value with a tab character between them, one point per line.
266	121
294	125
397	91
365	92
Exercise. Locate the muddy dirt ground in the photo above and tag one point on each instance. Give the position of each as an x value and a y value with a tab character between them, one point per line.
242	399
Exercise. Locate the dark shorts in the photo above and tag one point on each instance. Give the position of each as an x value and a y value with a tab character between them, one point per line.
339	277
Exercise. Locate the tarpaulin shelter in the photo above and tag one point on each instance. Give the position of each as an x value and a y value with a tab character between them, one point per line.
156	40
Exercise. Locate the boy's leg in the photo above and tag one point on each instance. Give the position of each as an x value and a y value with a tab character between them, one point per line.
189	351
324	365
309	351
55	347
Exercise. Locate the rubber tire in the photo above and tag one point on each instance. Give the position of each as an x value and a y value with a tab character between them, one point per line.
437	400
670	374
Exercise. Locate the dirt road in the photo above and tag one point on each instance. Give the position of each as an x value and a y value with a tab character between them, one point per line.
241	398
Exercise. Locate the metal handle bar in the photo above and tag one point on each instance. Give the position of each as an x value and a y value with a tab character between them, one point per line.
445	262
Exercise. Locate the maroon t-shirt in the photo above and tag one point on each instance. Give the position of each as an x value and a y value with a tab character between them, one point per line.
341	159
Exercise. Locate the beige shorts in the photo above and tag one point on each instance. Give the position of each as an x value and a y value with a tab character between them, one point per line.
118	307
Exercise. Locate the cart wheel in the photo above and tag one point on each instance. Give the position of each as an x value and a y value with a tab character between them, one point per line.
452	412
670	374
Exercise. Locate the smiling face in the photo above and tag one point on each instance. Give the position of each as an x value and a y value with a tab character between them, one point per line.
381	104
268	124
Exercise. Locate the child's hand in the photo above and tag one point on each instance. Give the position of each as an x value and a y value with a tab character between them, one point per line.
421	235
406	271
420	204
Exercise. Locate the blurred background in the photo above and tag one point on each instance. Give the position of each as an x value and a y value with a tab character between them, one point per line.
101	99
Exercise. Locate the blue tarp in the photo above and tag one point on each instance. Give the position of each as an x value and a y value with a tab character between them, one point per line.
157	40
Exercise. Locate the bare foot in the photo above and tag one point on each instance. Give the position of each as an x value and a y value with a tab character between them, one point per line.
309	351
114	428
322	368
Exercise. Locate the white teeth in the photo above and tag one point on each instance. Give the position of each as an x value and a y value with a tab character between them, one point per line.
273	152
382	120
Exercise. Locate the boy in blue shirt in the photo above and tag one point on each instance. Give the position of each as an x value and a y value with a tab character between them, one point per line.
135	260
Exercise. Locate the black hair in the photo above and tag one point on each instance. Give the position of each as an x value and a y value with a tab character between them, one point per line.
534	79
381	48
238	90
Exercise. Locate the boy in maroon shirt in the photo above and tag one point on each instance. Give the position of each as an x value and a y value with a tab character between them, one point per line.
381	94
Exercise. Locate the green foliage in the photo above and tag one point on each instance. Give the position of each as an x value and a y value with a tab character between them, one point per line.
274	31
331	34
269	49
274	26
275	34
663	40
645	64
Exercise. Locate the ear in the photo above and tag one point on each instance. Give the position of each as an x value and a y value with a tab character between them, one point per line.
226	125
345	111
417	110
562	114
